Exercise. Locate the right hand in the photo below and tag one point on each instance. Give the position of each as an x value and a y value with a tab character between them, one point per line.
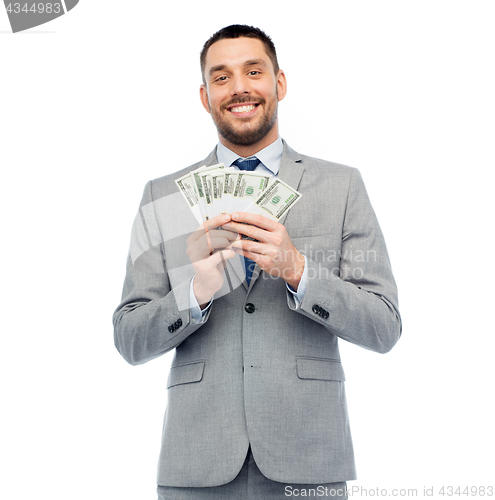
208	248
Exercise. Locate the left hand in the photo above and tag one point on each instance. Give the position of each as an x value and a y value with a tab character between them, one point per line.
273	252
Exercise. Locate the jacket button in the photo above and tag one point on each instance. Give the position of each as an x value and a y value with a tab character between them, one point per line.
316	309
249	308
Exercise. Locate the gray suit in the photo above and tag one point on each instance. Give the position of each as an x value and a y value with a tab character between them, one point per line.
266	374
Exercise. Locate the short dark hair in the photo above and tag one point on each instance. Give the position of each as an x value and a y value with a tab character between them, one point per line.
239	31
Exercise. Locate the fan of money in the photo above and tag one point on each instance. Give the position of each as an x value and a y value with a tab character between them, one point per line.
215	190
28	14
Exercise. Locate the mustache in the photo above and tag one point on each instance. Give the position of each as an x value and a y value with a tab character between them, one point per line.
242	100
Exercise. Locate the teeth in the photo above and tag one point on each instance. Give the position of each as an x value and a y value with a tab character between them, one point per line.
243	109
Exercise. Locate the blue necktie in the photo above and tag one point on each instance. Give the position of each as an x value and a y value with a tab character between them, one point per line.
248	165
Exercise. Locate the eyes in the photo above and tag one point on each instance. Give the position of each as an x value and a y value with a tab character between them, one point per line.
224	78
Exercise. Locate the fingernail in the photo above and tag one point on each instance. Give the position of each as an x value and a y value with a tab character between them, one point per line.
235	215
226	217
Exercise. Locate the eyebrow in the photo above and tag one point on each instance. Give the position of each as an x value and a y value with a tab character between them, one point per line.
255	62
251	62
220	67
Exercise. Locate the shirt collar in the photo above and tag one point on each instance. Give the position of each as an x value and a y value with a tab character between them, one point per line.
270	156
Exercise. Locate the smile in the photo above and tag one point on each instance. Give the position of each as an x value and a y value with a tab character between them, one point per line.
243	109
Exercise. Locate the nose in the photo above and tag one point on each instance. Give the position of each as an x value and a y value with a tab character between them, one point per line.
240	85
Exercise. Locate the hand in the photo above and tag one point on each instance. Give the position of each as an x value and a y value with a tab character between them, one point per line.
208	248
273	251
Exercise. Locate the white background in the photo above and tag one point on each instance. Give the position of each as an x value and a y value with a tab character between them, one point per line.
103	99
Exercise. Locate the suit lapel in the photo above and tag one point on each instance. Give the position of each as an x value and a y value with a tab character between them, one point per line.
291	170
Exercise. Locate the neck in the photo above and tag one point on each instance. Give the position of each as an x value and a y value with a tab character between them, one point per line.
251	149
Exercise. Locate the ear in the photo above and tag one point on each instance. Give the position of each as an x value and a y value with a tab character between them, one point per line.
281	85
203	94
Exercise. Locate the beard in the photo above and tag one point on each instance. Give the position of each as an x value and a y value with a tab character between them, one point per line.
247	136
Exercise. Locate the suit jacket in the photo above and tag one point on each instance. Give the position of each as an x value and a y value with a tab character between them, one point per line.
260	369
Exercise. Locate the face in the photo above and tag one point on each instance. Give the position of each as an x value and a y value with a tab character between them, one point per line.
242	92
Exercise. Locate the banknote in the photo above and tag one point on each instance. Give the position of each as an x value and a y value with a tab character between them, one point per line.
199	188
229	184
186	187
248	187
218	182
276	200
191	187
212	180
211	191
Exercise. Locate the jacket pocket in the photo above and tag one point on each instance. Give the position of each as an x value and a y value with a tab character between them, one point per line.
185	373
320	369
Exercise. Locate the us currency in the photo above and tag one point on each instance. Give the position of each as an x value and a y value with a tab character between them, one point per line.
199	188
248	187
276	200
229	184
186	187
218	182
210	191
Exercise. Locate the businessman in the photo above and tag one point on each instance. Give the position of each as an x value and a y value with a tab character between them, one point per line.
256	397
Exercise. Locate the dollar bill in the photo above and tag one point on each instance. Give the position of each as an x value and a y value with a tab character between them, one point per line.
212	180
218	182
199	188
248	187
186	187
208	192
229	184
276	200
211	191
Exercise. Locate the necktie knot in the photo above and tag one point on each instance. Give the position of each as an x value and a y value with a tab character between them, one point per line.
249	164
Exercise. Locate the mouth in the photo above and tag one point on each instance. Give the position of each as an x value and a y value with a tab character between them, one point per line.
244	109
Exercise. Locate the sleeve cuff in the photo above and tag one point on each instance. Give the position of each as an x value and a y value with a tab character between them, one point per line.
301	289
196	313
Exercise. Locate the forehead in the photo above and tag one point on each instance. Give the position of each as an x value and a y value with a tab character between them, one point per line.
232	52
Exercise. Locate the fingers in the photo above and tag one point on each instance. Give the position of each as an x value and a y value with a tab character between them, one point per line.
219	257
256	227
256	257
253	232
245	246
207	226
209	243
218	238
217	221
255	220
259	252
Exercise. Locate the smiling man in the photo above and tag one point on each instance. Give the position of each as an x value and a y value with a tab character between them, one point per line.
256	396
241	90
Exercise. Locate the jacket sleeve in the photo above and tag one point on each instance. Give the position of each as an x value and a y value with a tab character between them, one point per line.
357	300
152	318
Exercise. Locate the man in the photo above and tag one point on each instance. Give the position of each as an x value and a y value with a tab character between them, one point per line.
256	398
